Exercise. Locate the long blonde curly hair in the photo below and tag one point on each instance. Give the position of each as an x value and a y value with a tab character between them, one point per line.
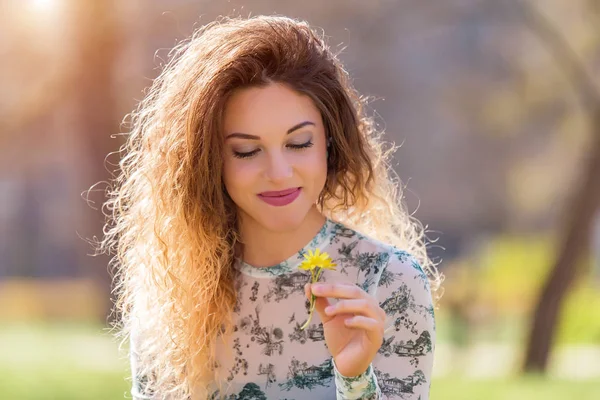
171	226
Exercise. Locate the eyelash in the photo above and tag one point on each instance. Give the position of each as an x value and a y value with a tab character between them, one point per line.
291	146
301	146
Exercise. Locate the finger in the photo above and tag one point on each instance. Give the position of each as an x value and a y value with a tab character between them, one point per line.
372	327
364	307
321	304
307	290
338	290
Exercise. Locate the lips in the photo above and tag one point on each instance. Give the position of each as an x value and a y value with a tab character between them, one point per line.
279	193
280	198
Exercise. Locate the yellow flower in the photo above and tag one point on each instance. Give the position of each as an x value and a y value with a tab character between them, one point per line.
315	262
317	259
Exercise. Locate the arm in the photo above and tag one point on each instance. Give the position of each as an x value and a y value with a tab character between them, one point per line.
402	367
404	363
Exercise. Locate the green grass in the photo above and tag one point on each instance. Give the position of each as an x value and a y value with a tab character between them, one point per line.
60	362
514	389
73	362
62	384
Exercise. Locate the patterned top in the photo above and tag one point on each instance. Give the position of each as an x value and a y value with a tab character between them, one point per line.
268	356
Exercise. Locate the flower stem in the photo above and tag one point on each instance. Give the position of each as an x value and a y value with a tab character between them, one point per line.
313	299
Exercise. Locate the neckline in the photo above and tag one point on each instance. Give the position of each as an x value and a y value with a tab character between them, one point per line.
320	240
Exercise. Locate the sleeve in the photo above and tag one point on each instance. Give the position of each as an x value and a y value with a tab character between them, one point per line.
404	363
403	366
363	386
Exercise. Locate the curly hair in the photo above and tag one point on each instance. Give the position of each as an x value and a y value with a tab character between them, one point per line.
171	226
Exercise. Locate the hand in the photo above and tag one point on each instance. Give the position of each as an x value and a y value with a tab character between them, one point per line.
353	326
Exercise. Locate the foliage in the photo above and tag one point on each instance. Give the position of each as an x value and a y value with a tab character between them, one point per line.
505	279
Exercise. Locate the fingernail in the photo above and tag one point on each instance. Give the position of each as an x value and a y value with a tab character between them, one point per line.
329	309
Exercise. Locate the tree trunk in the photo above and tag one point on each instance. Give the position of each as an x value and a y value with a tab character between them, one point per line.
583	205
581	211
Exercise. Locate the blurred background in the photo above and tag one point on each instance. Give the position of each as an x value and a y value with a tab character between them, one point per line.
496	106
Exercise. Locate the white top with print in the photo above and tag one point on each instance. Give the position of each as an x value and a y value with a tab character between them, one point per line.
269	357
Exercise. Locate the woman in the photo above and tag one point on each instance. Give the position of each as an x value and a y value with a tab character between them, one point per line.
248	159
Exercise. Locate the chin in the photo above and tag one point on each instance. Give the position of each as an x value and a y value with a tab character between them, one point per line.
281	221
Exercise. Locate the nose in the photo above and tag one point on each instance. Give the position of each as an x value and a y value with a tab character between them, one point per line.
279	168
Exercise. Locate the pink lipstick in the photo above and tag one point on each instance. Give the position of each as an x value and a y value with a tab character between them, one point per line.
281	197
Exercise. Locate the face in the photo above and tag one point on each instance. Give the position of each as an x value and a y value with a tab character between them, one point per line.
275	162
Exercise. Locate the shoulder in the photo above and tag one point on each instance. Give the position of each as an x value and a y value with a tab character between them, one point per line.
404	263
378	262
360	242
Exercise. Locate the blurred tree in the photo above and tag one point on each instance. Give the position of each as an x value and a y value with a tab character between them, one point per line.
525	108
582	205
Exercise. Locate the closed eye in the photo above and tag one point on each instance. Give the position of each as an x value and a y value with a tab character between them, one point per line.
248	154
300	146
293	146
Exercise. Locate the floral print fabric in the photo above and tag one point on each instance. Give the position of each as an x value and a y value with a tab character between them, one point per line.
268	356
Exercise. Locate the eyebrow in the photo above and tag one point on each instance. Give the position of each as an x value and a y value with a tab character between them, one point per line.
254	137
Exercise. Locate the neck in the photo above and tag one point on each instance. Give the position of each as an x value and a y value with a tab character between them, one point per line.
281	245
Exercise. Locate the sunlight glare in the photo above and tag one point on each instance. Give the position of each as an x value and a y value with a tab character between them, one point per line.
44	9
43	5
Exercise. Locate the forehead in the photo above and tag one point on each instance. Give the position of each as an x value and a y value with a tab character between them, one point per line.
270	109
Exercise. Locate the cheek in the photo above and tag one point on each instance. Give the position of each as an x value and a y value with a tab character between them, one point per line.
314	169
238	176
